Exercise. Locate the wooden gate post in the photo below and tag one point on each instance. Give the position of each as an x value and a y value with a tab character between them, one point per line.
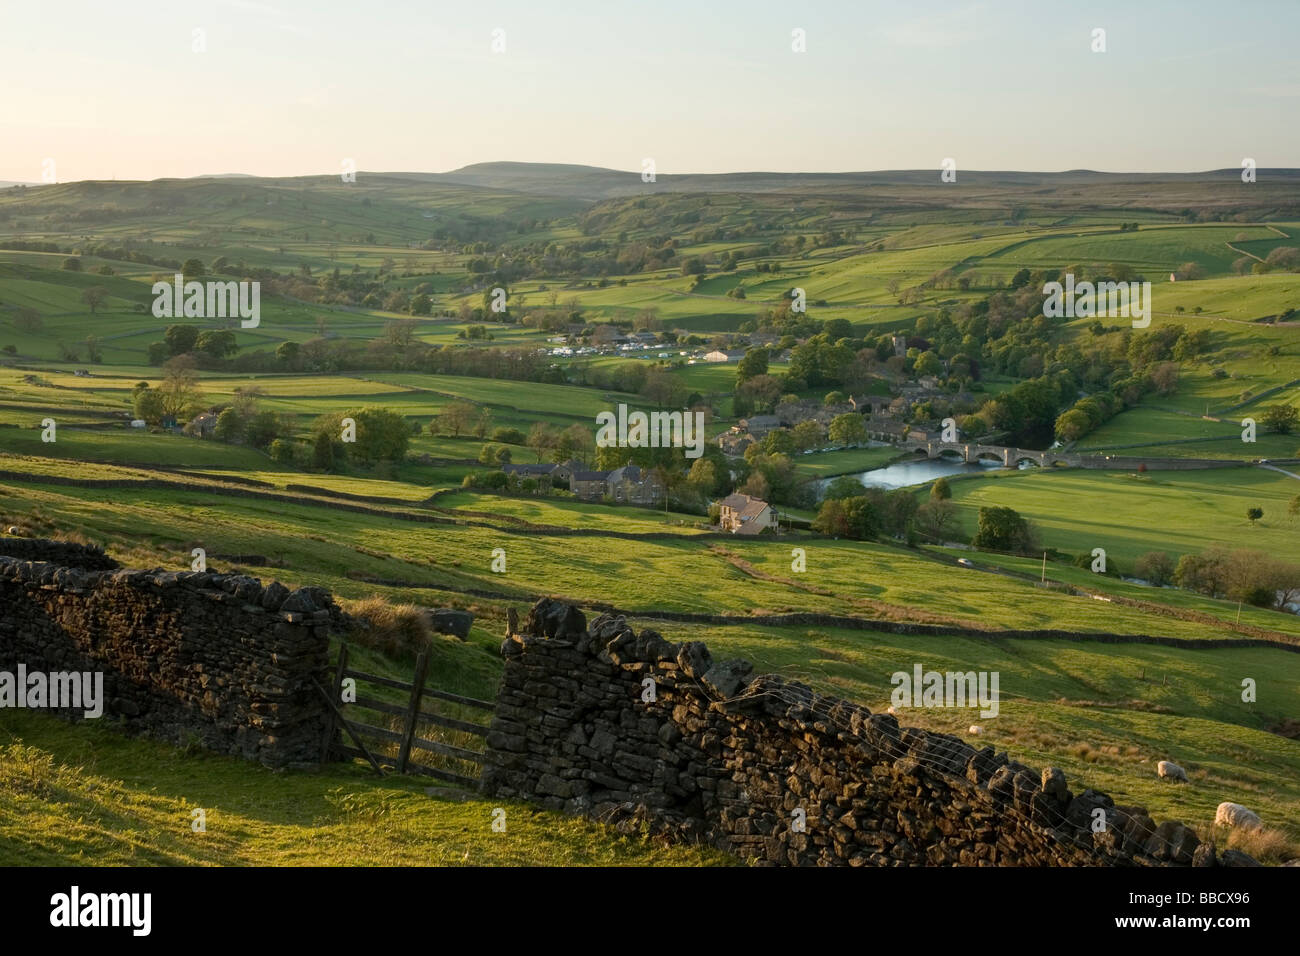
413	709
336	688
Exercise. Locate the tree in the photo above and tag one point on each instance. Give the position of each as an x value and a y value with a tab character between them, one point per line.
282	452
508	436
759	393
28	320
192	268
229	427
180	338
778	440
322	456
541	439
182	396
1281	419
1164	377
899	511
848	429
1294	507
576	441
753	364
927	363
382	435
455	418
263	428
854	518
703	477
1156	567
1254	514
94	297
936	518
1003	529
287	352
1072	425
1204	573
940	490
93	351
217	343
149	405
400	333
807	434
72	264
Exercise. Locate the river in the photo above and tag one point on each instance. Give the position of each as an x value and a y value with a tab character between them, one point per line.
904	473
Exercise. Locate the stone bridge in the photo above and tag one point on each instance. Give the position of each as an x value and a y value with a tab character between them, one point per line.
1010	457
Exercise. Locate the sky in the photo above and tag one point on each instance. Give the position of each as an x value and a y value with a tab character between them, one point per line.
94	90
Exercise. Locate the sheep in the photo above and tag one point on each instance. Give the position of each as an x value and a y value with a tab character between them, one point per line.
1167	768
1235	815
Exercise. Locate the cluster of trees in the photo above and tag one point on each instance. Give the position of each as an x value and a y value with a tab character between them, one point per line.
849	510
207	346
1280	259
322	354
243	423
1238	574
1281	419
177	398
1005	529
380	436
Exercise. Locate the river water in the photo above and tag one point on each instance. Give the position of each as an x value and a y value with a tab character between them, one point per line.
904	473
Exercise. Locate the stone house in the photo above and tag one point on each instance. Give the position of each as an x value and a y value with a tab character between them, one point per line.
884	429
631	485
547	474
760	425
202	425
627	485
734	442
742	514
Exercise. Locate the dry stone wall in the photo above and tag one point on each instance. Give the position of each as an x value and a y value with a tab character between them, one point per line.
214	659
769	770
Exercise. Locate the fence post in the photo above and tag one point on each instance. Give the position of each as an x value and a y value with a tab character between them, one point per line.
413	708
336	688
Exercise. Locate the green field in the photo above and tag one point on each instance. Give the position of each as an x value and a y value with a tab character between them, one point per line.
1129	514
887	252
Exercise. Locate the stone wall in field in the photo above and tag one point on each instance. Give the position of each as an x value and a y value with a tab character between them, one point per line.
628	728
217	660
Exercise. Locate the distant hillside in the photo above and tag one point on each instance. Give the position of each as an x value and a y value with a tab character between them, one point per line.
595	183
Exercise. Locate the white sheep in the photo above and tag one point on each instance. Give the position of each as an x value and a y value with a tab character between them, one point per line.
1167	768
1235	815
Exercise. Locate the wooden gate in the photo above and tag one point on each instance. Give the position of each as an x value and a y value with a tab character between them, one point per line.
392	746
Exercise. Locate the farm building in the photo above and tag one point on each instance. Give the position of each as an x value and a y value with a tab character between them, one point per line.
718	356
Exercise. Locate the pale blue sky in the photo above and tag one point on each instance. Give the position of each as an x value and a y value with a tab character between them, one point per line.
290	87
